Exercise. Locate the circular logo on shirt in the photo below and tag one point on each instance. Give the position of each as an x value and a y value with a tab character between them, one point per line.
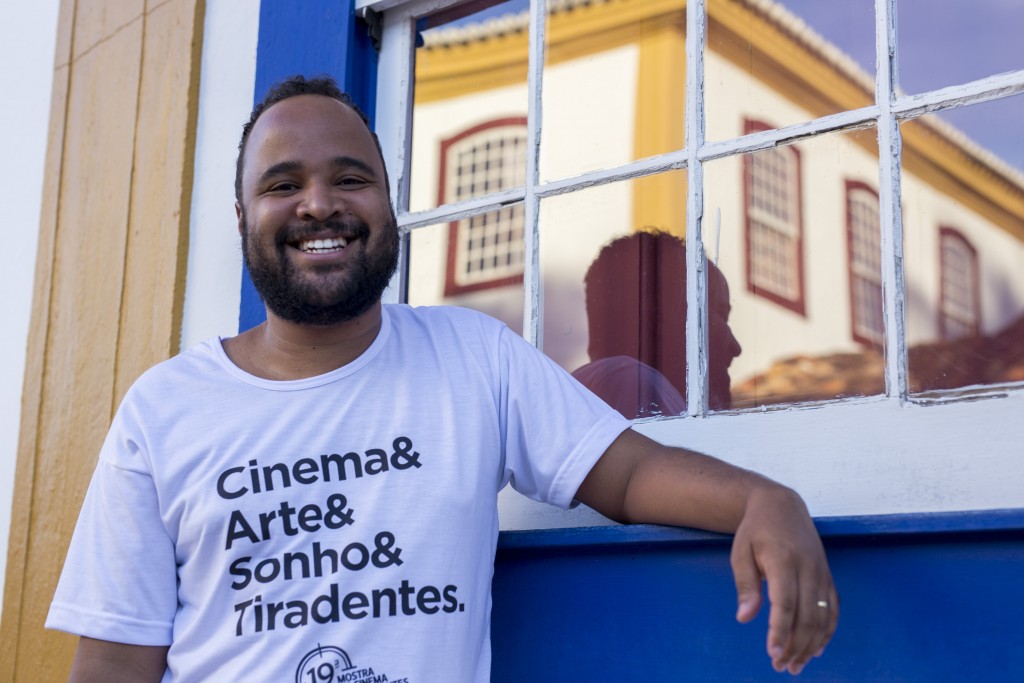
322	664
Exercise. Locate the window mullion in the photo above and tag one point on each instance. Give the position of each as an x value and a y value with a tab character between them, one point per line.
395	82
696	280
532	311
891	218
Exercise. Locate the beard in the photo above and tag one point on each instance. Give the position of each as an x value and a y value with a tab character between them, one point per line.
322	301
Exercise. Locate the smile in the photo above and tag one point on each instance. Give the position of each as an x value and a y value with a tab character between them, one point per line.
323	245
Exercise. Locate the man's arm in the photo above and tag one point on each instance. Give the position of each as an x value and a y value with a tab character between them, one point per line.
101	661
638	480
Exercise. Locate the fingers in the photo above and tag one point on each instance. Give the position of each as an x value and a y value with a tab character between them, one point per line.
803	617
783	594
776	542
748	583
811	628
832	619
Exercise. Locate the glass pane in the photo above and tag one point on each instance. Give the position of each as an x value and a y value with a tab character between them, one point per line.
786	62
996	127
946	42
963	208
615	291
794	232
439	262
614	84
469	112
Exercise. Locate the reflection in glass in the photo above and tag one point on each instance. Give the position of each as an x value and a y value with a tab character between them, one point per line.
614	84
470	101
795	232
436	261
795	59
865	243
946	43
994	126
635	293
615	301
963	211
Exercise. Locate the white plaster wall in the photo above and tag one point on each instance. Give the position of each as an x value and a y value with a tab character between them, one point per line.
212	288
28	36
584	129
1000	261
769	332
588	125
573	229
442	119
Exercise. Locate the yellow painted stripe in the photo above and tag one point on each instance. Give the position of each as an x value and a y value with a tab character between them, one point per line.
109	281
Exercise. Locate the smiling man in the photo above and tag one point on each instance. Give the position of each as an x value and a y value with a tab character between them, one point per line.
316	497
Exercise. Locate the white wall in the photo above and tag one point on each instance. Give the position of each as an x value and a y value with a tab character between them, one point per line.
28	37
212	287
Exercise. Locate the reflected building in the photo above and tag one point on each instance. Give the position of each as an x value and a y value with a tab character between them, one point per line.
794	229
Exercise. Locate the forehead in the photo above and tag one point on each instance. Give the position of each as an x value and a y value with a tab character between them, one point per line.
308	129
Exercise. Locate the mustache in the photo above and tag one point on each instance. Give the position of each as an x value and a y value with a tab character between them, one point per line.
349	229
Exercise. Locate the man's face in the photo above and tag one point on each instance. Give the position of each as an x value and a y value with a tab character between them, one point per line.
318	234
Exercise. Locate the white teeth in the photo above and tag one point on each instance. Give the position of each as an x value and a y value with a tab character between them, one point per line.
314	246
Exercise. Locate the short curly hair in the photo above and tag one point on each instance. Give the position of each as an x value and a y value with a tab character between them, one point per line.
293	86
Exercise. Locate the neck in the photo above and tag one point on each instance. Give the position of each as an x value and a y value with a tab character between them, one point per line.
282	350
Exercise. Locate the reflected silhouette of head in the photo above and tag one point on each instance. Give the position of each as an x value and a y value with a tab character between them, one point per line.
636	308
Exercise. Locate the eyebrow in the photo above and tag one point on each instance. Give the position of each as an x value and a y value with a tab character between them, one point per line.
352	162
278	169
341	162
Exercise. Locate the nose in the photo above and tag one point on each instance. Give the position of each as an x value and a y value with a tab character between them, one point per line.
733	345
319	202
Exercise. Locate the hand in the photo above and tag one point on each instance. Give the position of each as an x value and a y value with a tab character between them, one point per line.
777	542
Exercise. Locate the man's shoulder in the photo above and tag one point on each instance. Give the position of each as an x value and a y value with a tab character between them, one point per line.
197	362
439	318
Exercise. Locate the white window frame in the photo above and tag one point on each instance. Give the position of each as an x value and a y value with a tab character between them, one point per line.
886	454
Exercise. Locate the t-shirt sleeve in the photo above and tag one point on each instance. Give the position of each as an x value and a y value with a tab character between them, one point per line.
555	429
119	581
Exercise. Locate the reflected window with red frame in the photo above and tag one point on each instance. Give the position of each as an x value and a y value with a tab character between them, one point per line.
774	223
484	251
959	293
865	265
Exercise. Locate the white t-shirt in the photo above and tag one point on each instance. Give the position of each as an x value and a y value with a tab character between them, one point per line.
340	527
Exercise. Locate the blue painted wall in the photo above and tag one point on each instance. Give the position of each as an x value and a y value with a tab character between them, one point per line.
926	598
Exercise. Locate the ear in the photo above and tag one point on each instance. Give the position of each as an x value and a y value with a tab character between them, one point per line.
238	215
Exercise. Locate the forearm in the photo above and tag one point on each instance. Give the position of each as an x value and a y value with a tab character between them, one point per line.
639	480
101	661
679	487
642	481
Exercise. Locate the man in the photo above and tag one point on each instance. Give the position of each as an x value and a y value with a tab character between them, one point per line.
315	498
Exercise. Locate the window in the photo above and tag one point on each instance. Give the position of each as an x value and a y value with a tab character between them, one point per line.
771	208
865	247
774	223
485	250
958	290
